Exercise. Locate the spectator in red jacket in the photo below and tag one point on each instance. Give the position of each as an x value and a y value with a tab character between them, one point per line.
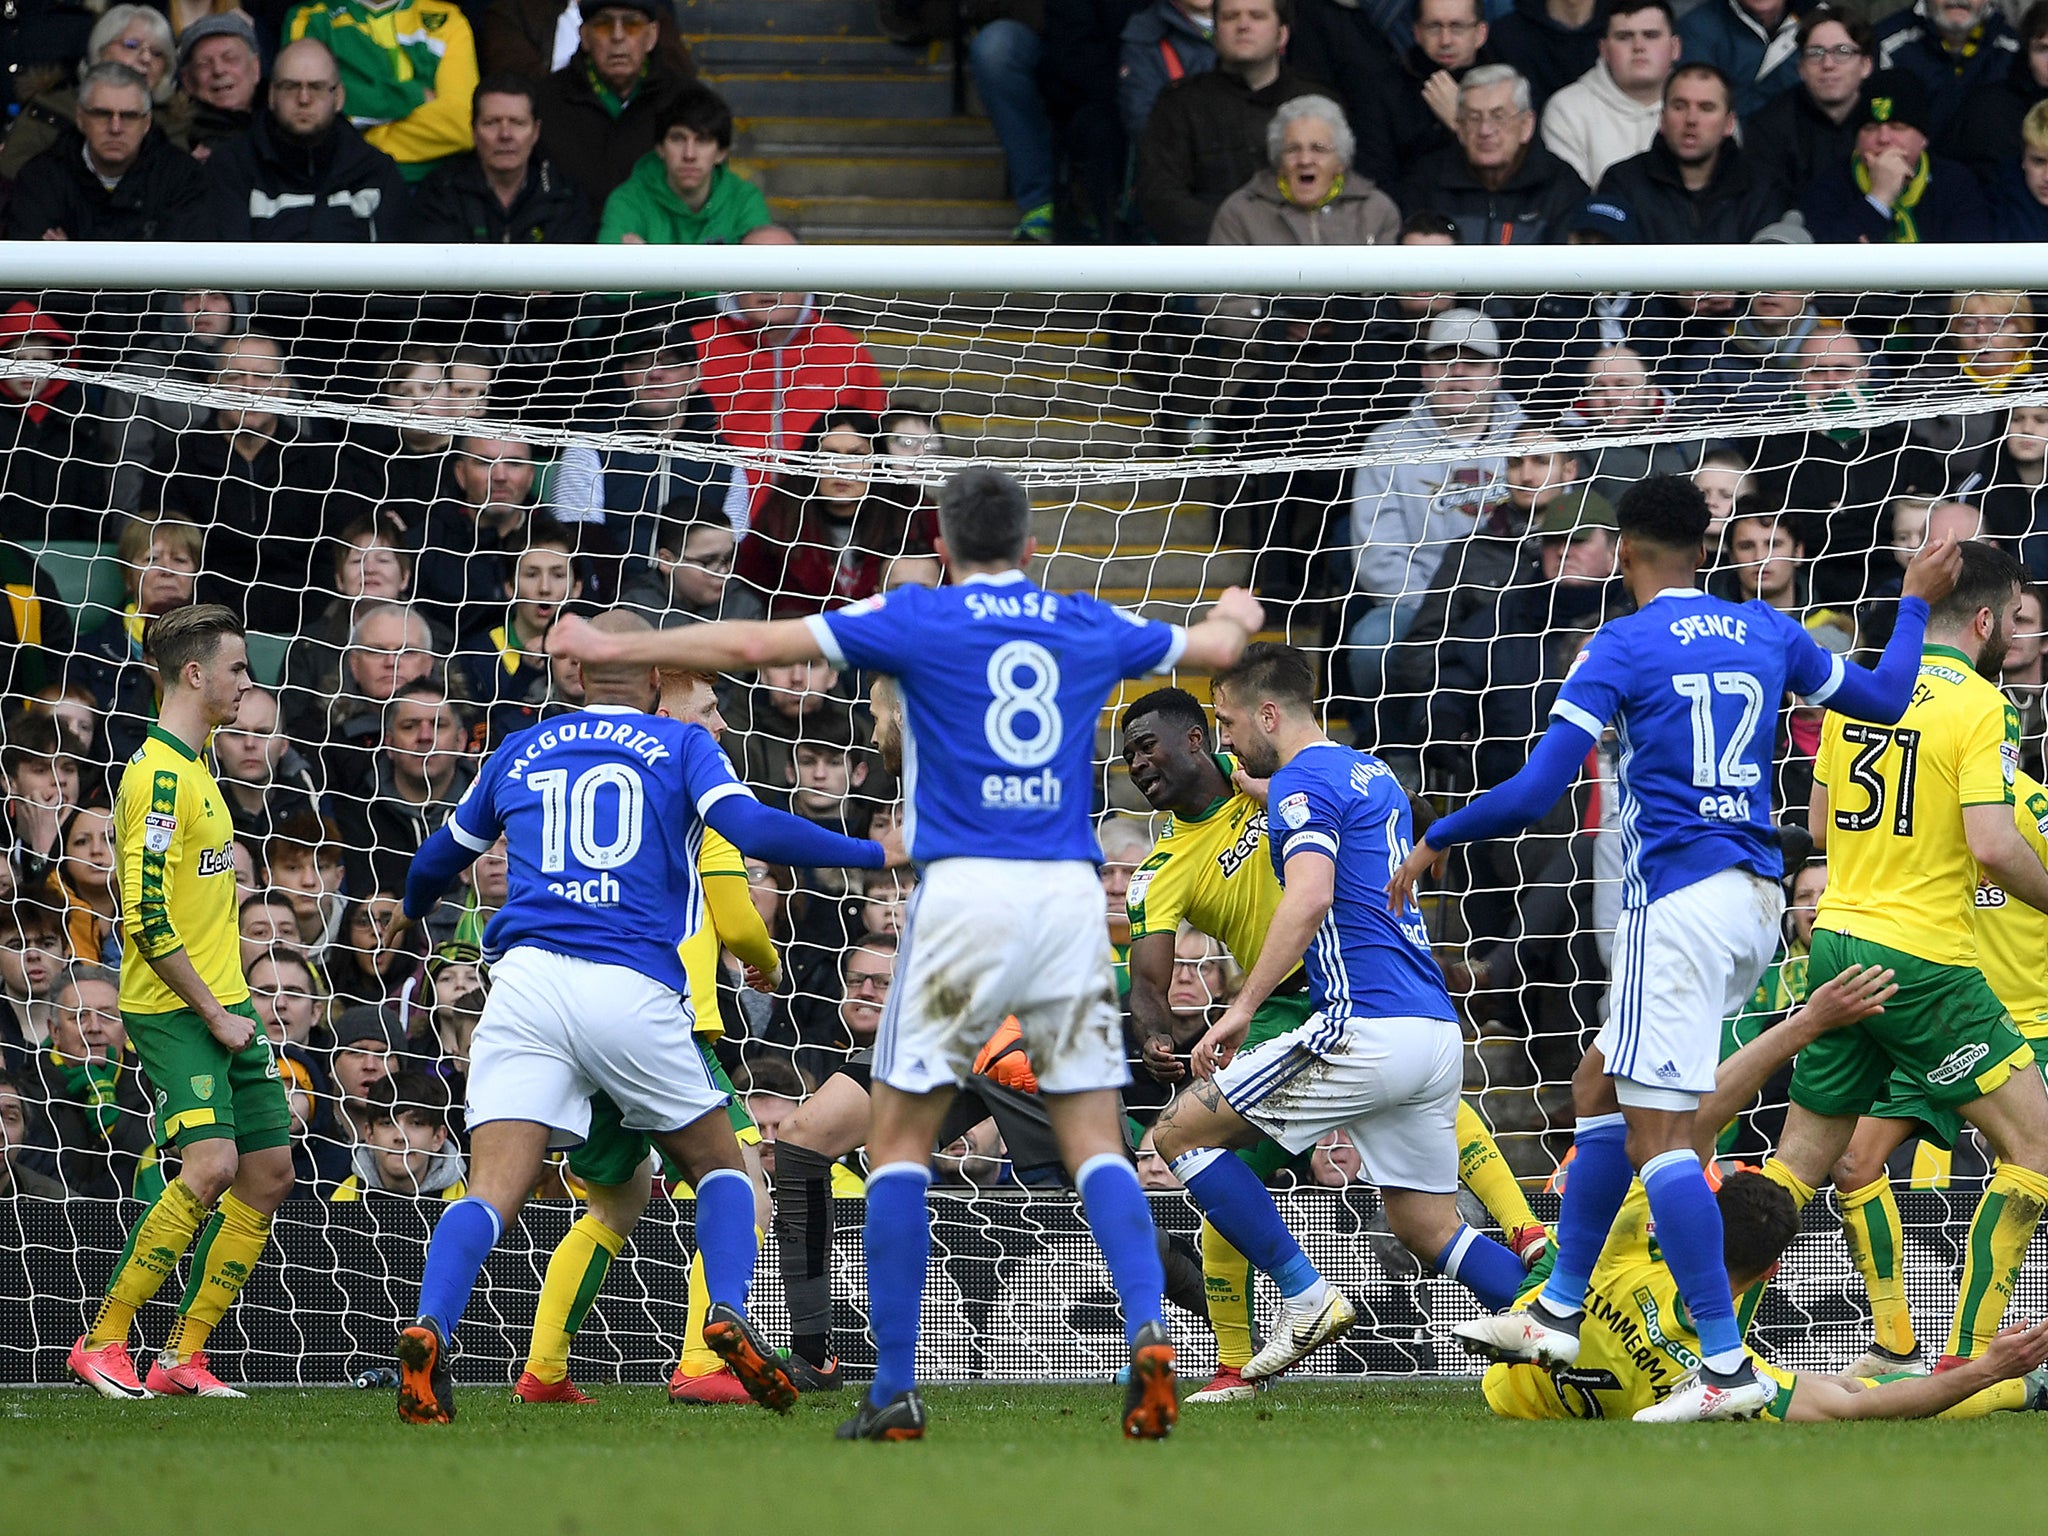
772	365
822	542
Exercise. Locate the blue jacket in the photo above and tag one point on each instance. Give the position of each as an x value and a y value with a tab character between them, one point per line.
2014	213
1142	72
1722	33
1952	207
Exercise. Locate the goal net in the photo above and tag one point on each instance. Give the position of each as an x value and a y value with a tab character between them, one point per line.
400	464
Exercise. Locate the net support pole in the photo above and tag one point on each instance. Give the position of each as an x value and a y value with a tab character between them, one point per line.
75	265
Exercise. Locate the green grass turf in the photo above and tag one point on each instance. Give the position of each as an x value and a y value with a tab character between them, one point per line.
1309	1458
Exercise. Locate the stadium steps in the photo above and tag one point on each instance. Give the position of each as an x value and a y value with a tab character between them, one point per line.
839	218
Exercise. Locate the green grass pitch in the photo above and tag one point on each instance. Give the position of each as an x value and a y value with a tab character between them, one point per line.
1307	1458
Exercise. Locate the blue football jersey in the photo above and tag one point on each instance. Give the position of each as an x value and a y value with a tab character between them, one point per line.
1002	685
1693	685
1364	961
602	813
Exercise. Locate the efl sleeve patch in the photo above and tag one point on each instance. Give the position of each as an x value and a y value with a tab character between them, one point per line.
1293	811
158	831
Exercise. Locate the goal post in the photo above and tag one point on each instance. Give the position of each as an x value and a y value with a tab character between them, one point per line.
1185	419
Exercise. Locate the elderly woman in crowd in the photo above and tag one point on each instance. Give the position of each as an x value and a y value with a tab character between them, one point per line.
135	35
1312	196
1988	348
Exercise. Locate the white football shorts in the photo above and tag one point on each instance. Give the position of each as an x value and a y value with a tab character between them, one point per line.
986	938
1682	964
1391	1083
556	1029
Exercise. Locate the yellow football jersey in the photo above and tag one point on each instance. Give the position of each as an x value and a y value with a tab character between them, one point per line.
1213	871
174	844
2012	938
1636	1344
716	860
1899	867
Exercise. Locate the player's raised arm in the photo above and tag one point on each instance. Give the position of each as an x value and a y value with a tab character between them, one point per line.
728	646
1881	693
1217	642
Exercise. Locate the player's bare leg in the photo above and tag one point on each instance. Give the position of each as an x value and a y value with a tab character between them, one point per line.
1196	1135
1871	1230
506	1158
725	1241
898	1241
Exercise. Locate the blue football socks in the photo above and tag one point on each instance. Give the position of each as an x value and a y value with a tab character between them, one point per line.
898	1236
1483	1267
463	1238
725	1235
1688	1221
1593	1191
1242	1209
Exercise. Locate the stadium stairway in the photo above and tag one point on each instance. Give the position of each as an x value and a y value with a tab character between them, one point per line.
854	139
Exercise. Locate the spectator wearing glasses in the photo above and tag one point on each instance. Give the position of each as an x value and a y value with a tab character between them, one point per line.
690	581
1497	184
134	35
598	111
128	182
1311	195
1418	111
221	67
1986	135
1812	126
504	192
302	171
1753	42
409	68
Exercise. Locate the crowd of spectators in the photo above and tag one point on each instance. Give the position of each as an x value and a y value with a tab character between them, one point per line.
399	568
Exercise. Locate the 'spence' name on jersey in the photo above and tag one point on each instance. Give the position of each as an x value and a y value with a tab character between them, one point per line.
1721	626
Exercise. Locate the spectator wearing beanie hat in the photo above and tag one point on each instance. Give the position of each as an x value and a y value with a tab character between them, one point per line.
1891	190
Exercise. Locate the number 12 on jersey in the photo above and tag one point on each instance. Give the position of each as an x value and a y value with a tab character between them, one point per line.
1718	765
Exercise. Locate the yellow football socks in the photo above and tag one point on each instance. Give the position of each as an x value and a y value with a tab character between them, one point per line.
1483	1170
228	1250
1999	1232
699	1358
576	1271
1871	1226
1801	1192
2001	1397
1227	1282
155	1245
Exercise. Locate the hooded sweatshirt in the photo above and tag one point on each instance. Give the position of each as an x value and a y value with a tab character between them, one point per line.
1432	491
646	206
1593	123
443	1176
770	394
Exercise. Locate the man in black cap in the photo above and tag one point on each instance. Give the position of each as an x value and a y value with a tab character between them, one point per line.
220	66
597	112
1891	190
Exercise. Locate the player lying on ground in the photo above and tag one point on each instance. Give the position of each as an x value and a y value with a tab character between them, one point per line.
614	1164
1002	684
219	1101
838	1118
1913	819
1691	683
2012	939
1380	1055
1213	868
1637	1345
602	812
